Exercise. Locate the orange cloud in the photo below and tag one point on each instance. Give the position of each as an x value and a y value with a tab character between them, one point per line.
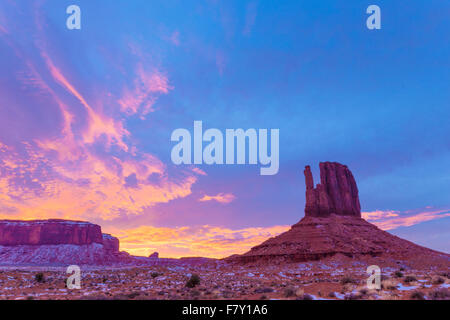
61	177
205	241
221	197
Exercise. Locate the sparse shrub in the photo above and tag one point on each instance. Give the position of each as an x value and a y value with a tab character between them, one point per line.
363	291
353	296
440	294
133	295
30	298
195	293
417	295
263	297
193	281
348	279
438	280
307	297
263	290
154	274
398	274
289	292
39	277
409	279
332	295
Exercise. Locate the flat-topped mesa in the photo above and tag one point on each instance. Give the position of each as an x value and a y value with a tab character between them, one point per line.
336	193
49	232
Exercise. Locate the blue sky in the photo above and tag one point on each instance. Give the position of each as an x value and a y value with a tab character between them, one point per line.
375	100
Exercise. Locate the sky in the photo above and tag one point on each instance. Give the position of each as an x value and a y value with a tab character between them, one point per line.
86	116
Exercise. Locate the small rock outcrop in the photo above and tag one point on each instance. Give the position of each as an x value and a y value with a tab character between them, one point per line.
154	255
110	243
336	193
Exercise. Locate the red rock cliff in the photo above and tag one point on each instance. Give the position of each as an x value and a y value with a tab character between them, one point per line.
48	232
110	243
336	193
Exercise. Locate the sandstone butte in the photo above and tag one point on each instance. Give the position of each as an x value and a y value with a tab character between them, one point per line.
57	241
333	227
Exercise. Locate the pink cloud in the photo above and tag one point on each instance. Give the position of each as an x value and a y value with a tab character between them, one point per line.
388	220
142	97
61	176
379	214
221	197
199	171
175	38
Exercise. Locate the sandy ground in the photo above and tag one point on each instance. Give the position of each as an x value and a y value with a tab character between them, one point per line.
316	280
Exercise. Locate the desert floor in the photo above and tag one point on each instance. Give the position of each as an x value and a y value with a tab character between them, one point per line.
314	280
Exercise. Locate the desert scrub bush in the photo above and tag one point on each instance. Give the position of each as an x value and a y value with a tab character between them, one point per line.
398	274
348	279
364	291
193	281
438	280
263	290
440	294
417	295
289	292
195	293
154	274
332	294
133	295
305	297
353	296
409	279
39	277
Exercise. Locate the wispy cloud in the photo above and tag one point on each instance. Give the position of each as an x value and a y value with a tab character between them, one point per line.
388	220
147	86
221	197
76	173
379	214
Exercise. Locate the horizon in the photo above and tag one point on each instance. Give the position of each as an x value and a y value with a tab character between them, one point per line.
86	117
